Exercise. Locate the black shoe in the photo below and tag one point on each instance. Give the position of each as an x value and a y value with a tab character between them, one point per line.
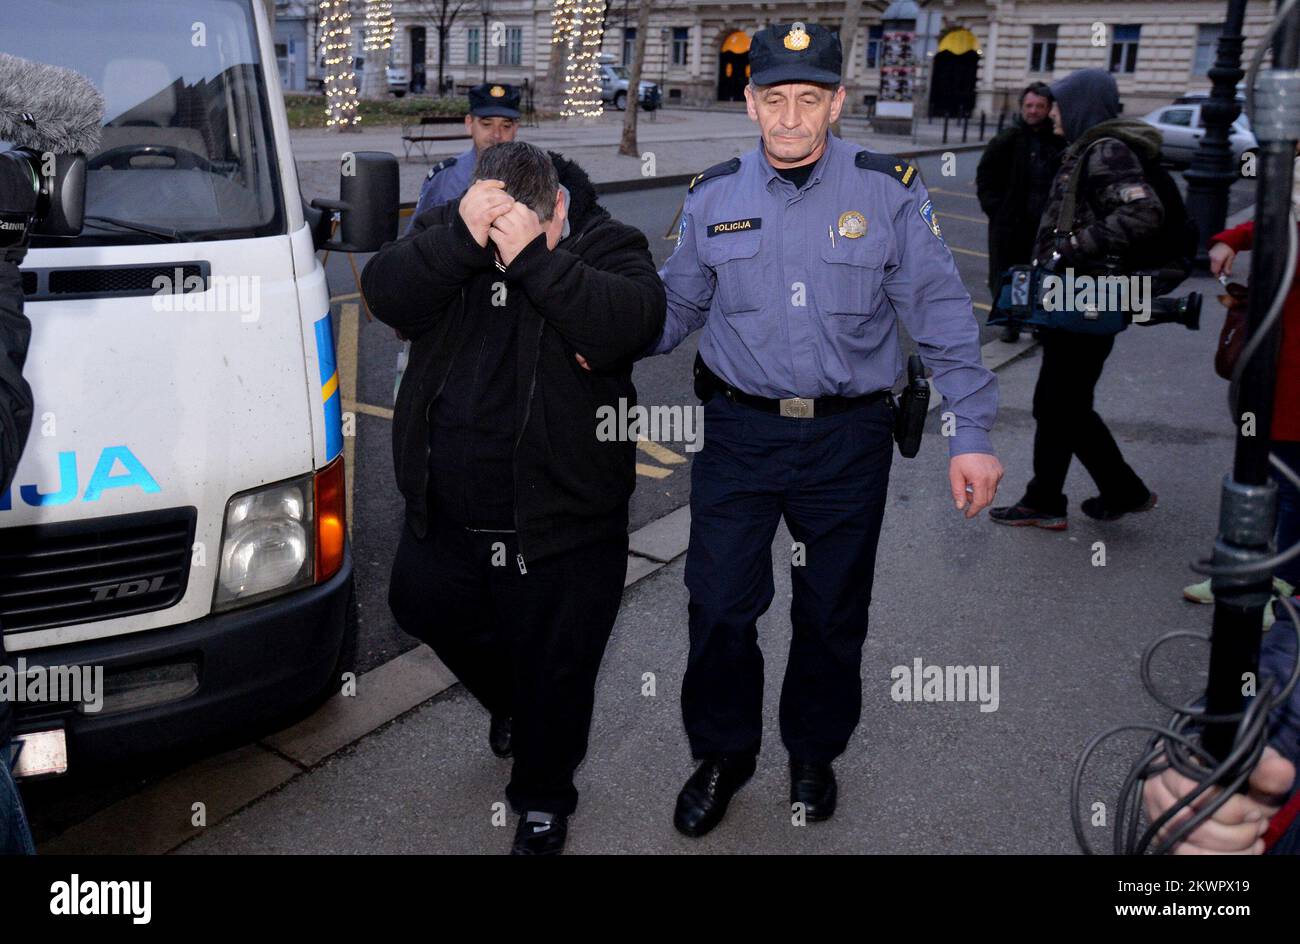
1022	516
1011	334
813	785
540	834
703	800
1095	508
499	736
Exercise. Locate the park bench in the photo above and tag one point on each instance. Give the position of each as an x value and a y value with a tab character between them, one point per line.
428	129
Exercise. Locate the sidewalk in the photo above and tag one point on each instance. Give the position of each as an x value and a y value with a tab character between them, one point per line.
683	142
931	777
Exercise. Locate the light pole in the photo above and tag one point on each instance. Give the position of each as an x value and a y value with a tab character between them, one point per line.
487	12
1212	171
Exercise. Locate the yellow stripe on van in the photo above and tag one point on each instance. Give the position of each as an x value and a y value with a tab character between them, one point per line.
331	385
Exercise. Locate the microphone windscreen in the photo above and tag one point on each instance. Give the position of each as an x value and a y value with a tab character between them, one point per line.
48	108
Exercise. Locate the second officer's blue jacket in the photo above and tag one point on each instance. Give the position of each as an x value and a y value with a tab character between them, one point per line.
447	180
799	290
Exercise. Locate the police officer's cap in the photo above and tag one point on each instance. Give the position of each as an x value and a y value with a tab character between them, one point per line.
492	99
795	53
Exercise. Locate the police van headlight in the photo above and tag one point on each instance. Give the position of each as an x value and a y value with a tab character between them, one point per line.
266	543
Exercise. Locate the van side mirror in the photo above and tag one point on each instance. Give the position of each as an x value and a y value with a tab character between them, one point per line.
367	204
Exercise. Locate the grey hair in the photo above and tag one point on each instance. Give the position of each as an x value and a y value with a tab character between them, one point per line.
527	172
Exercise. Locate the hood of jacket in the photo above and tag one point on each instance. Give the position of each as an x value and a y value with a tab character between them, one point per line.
583	207
1142	138
1085	98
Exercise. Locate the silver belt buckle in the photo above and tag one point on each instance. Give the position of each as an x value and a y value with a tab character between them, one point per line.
798	407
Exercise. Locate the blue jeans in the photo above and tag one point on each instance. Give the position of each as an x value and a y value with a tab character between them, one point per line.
1288	509
15	836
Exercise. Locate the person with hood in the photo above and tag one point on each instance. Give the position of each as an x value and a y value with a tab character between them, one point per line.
526	305
1012	182
1115	210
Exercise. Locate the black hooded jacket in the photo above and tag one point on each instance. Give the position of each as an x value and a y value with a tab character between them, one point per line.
596	294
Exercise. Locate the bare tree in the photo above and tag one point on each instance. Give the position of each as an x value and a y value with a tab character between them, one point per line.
443	14
627	145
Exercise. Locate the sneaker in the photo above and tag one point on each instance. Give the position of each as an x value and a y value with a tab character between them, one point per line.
1022	516
1093	508
1200	592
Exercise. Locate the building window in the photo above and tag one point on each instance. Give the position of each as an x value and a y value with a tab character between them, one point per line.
629	44
1207	45
473	45
1124	48
874	36
1042	50
512	53
681	35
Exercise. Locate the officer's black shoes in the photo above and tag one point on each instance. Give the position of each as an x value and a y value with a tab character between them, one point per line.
1022	516
499	736
540	834
813	785
1095	508
703	801
1011	334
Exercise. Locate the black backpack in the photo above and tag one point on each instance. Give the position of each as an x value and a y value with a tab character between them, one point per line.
1171	251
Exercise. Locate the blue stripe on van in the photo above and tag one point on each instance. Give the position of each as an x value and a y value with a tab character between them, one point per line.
329	382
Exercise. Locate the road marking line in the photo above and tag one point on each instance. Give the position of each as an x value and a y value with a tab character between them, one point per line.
349	323
968	219
661	453
369	409
981	306
969	252
349	297
652	471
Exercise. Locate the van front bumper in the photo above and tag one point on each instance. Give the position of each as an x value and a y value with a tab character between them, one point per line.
254	667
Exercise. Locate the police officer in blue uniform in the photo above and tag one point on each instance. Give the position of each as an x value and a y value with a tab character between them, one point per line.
493	119
797	260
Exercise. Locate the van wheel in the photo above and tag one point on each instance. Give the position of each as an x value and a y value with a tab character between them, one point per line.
620	101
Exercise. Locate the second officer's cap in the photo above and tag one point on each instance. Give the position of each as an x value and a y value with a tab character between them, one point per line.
494	99
795	53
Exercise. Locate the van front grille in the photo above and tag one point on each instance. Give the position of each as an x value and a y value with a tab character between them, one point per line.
101	568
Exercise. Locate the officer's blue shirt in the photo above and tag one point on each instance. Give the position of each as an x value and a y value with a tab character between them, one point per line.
789	310
446	181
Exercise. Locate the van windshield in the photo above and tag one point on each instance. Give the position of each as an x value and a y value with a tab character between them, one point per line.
187	144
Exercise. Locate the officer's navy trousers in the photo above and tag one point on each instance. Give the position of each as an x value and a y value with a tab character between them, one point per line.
828	476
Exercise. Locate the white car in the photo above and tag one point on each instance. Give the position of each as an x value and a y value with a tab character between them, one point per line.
396	80
1181	128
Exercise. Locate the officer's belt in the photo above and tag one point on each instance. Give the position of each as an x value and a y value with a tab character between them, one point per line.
707	383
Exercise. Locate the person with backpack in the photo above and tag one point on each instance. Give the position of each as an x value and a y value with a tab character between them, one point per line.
1104	216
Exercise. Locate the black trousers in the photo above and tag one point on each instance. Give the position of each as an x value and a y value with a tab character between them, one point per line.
828	477
1068	426
525	645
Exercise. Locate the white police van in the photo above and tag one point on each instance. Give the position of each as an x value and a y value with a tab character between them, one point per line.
178	515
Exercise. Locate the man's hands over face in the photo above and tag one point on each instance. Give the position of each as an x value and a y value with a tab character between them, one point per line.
513	230
482	204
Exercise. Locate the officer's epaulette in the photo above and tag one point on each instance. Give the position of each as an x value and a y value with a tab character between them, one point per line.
717	170
441	165
895	167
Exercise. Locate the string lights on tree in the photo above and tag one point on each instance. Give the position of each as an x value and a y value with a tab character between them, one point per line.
379	25
340	77
578	25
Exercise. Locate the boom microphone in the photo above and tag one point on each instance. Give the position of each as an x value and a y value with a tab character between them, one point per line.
48	109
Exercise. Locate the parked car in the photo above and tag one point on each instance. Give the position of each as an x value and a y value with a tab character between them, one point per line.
1181	128
396	81
614	81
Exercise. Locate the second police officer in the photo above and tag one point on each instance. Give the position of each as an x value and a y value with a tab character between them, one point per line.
493	119
797	259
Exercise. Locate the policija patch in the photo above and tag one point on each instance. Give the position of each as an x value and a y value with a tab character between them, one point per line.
735	226
932	221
